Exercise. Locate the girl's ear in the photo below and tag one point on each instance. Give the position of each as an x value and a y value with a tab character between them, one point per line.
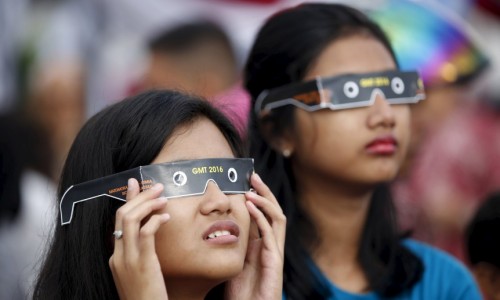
280	139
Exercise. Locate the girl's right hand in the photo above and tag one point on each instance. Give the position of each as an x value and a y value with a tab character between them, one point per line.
135	266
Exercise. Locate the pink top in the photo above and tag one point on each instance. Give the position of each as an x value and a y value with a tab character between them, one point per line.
235	104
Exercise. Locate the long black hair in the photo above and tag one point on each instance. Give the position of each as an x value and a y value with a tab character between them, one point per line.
125	135
285	47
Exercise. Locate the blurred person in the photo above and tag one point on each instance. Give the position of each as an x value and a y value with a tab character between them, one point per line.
26	194
56	103
452	161
136	221
329	130
483	245
195	57
56	74
108	38
198	58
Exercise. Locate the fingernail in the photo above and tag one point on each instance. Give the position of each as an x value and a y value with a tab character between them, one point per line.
130	183
162	199
251	194
165	217
157	186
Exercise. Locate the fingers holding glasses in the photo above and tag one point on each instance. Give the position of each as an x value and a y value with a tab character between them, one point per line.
136	213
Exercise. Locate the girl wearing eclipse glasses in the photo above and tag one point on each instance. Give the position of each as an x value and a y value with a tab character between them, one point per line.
155	203
329	129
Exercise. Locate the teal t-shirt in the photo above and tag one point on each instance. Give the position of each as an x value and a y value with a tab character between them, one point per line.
443	278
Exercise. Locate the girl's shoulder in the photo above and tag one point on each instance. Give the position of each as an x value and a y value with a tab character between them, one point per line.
444	276
434	258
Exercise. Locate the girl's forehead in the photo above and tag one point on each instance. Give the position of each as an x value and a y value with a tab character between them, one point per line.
354	54
198	140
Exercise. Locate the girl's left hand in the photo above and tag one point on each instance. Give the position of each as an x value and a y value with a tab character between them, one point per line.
262	275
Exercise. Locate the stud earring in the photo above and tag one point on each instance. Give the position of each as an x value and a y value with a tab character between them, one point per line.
287	153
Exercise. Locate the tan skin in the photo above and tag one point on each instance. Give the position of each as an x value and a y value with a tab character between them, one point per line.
163	254
336	175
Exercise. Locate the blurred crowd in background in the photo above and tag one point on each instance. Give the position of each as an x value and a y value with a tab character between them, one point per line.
61	61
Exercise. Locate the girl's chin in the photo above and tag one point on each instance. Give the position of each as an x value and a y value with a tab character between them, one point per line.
225	273
209	273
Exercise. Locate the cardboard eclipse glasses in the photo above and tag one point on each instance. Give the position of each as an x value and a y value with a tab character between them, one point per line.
344	91
181	179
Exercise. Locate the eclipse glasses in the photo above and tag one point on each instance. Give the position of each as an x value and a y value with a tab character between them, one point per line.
180	178
344	92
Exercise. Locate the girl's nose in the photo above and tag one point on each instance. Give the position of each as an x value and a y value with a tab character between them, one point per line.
215	201
381	113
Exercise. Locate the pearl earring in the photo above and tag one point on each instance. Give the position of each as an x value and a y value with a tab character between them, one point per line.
287	153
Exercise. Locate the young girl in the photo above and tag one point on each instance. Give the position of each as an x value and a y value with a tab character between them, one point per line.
329	129
201	242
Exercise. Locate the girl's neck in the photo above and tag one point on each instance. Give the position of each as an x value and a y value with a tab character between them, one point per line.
338	211
181	289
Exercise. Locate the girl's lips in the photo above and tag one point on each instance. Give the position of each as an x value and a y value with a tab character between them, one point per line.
385	145
222	232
